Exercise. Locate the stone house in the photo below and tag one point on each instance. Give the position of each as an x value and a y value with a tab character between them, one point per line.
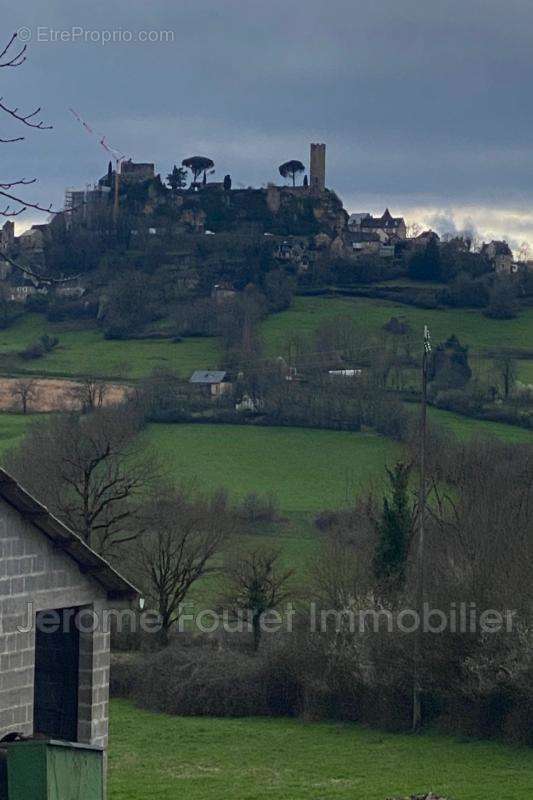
387	227
292	250
213	383
220	292
133	172
56	597
32	240
500	256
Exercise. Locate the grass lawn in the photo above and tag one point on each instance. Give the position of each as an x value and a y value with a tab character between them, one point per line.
370	315
164	758
466	428
83	352
306	469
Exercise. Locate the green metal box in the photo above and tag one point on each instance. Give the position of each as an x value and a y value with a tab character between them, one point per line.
53	770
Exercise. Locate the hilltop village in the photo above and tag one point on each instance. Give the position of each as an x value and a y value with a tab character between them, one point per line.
200	233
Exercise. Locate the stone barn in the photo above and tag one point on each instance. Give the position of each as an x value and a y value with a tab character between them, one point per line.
55	598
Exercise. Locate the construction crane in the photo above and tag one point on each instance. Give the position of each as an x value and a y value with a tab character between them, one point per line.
117	156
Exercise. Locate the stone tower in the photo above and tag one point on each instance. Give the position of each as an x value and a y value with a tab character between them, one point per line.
317	168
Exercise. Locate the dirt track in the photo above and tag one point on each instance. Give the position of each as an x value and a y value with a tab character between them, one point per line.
53	394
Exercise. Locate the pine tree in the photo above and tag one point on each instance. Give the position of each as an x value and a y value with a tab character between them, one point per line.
177	178
394	528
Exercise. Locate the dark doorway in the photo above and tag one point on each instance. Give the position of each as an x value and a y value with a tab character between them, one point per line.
57	649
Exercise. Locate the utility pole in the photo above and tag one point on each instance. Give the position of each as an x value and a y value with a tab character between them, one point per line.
420	572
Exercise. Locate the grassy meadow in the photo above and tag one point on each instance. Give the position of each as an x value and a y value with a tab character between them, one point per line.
466	427
163	757
85	351
306	469
472	328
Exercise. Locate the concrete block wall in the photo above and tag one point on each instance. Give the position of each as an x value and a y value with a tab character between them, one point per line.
35	576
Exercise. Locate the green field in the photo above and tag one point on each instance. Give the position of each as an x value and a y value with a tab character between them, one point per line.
306	469
86	352
369	315
12	428
466	427
165	758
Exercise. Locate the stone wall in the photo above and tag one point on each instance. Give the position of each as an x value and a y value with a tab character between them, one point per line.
34	576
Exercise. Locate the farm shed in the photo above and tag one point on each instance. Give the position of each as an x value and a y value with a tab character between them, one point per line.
55	598
211	382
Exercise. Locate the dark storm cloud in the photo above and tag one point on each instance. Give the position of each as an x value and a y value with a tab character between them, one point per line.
422	104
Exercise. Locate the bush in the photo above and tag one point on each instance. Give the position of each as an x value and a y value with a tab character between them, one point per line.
201	681
33	351
458	400
39	348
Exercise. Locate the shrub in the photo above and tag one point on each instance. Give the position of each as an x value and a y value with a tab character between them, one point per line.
201	681
39	348
33	351
459	401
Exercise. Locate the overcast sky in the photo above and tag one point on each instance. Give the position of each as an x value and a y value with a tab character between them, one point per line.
425	106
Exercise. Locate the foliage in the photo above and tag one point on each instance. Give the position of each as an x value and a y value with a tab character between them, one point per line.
425	265
177	178
448	365
394	529
291	169
45	344
506	370
502	300
197	165
131	304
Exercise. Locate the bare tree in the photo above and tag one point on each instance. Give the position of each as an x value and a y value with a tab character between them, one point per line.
13	56
413	230
183	535
505	368
25	391
257	583
524	252
89	470
90	394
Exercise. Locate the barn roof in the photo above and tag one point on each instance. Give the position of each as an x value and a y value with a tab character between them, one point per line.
62	537
207	376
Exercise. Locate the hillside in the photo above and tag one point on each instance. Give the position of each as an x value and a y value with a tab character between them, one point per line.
86	351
